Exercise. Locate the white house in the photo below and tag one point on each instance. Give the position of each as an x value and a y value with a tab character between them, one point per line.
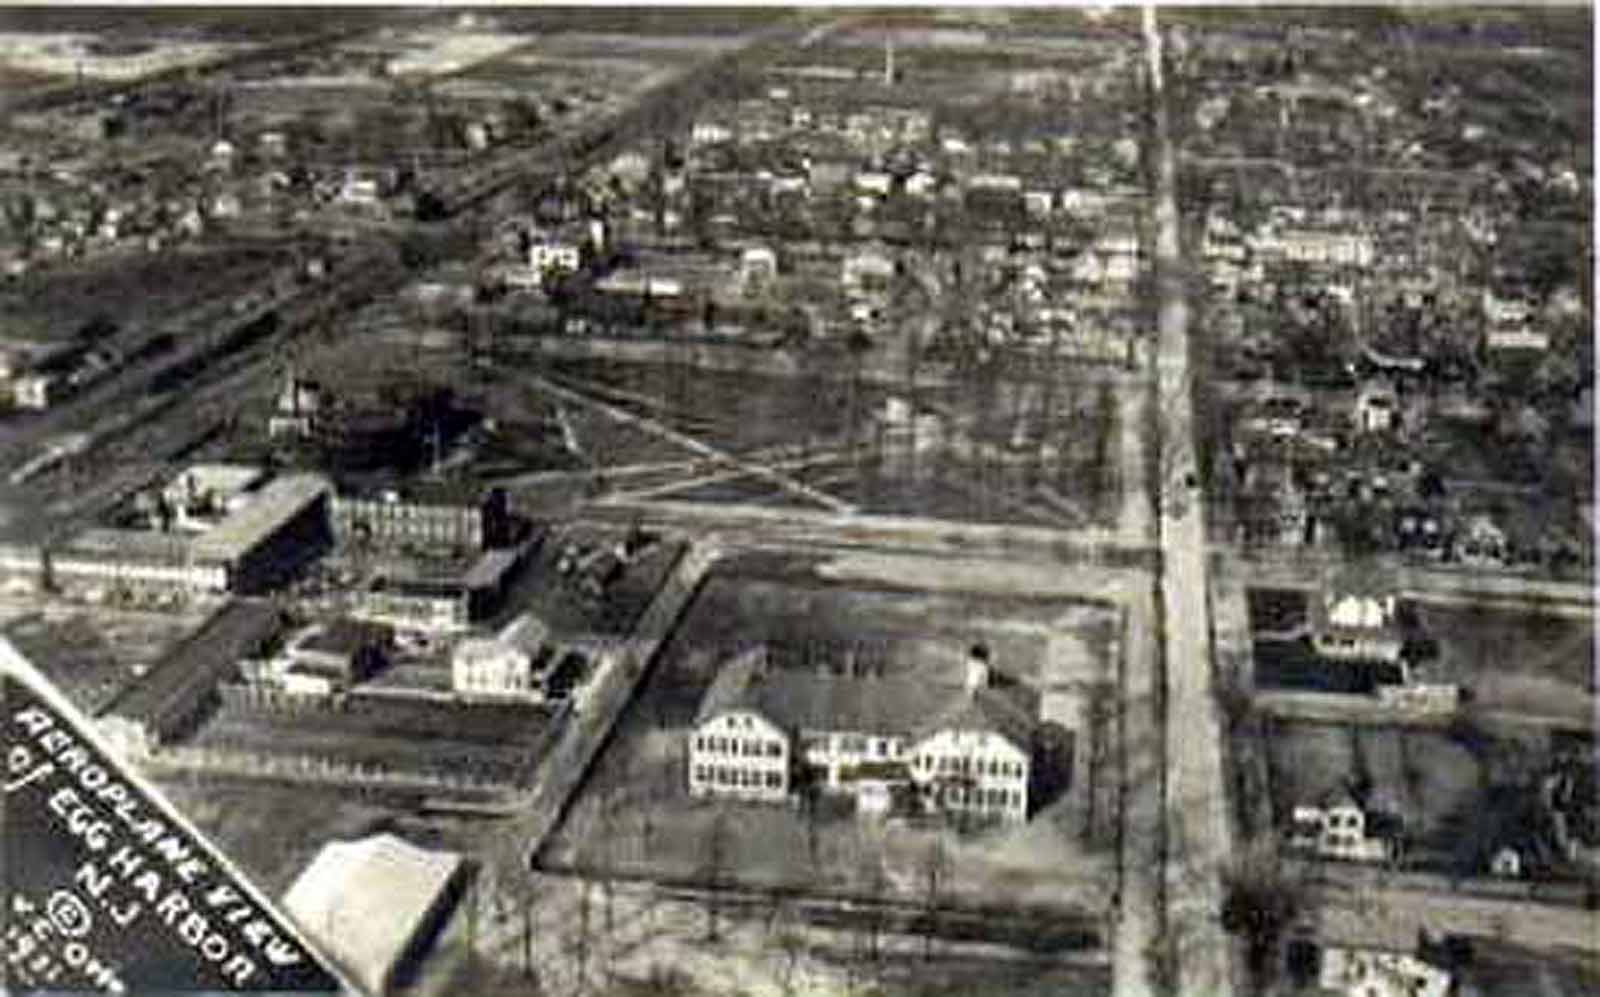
548	253
1337	828
1378	973
758	265
874	183
1348	626
967	747
710	133
35	391
1377	408
1481	543
868	270
507	665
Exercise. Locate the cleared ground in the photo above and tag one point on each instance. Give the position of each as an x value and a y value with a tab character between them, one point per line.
636	817
91	654
1515	660
272	830
131	289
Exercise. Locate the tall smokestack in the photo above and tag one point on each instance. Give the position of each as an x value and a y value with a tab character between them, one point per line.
888	61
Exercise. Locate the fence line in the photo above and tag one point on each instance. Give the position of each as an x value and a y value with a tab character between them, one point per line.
313	768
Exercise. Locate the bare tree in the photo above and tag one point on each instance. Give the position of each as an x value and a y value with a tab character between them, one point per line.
582	939
791	945
1262	897
934	869
875	884
610	828
714	871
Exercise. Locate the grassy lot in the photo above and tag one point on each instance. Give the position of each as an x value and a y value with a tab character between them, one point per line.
1501	970
741	413
1278	610
1293	664
132	290
636	816
92	655
272	830
1514	660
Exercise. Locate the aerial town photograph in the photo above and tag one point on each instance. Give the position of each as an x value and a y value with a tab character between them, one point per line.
989	501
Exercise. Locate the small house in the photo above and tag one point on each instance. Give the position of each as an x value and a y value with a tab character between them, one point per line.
329	658
1356	626
1377	973
1338	826
1481	542
1377	408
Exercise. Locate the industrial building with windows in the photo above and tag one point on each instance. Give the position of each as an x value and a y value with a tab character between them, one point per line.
439	514
255	541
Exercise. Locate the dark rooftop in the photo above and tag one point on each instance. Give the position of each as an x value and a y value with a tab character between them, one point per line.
234	632
906	705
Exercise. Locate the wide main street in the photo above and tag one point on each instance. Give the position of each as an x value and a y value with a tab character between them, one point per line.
1197	829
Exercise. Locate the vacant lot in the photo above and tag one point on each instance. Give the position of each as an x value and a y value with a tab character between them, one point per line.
1515	660
92	654
131	290
272	830
1012	452
636	816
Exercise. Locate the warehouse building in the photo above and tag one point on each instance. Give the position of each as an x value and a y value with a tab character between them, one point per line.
377	904
285	525
437	514
98	562
247	550
173	696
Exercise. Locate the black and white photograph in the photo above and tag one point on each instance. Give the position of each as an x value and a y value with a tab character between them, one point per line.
519	500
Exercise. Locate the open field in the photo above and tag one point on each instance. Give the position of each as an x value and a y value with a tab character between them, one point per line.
1503	970
1003	459
636	817
272	830
633	940
1514	660
127	58
131	290
91	654
1010	450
